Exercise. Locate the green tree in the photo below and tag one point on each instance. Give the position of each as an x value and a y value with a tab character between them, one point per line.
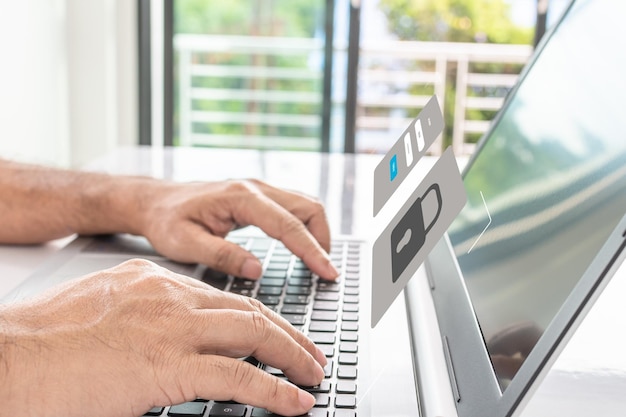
297	18
266	18
454	21
485	21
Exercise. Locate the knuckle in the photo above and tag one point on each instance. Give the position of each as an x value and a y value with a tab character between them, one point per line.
259	325
256	305
274	390
241	377
138	263
239	186
291	225
317	207
255	182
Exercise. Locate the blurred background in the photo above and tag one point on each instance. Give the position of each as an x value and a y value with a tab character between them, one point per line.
78	78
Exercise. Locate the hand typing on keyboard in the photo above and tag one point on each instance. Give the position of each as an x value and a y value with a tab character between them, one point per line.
183	221
187	222
120	341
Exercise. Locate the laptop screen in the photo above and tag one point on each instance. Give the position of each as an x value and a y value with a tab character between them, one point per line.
548	186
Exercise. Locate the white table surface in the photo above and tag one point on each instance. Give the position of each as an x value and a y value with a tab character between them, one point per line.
587	379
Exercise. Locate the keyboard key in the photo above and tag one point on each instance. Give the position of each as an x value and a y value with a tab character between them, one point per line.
272	282
328	369
321	400
262	412
300	265
351	291
301	273
349	337
322	338
348	347
326	306
324	316
351	299
190	409
297	299
300	282
352	276
294	309
270	290
352	308
350	317
316	412
328	350
239	283
346	372
154	411
227	410
278	266
346	387
327	296
261	243
275	273
242	291
269	300
273	371
344	413
295	319
291	290
351	326
323	388
215	278
352	284
324	286
252	360
323	326
345	401
348	359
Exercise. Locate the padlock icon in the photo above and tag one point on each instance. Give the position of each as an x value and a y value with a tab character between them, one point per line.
409	235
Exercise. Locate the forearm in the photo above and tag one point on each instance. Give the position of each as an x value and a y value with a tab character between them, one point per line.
39	204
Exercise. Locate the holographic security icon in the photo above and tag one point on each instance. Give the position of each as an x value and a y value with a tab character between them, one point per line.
408	237
393	167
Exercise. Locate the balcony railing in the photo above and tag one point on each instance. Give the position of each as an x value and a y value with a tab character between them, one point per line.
266	92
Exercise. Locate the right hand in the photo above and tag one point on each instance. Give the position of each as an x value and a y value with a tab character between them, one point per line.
121	341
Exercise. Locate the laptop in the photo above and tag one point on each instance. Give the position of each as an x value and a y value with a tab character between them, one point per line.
482	320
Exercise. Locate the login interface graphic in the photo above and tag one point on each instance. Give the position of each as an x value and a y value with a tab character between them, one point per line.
406	152
429	206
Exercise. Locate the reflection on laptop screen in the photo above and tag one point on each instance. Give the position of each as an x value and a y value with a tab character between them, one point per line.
553	177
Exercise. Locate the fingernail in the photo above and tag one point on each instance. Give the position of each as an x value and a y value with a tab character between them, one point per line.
251	268
306	399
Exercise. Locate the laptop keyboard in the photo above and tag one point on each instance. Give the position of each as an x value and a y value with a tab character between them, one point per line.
328	312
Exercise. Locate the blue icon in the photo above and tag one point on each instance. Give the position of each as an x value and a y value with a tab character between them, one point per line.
393	167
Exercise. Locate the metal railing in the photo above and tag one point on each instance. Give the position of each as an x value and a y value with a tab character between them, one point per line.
266	92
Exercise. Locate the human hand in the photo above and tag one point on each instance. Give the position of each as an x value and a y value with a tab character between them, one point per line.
187	223
121	341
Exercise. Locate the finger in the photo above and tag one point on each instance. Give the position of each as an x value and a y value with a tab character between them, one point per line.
279	223
310	211
221	254
237	333
231	379
226	301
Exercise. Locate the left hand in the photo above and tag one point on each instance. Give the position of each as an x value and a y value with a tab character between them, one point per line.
188	223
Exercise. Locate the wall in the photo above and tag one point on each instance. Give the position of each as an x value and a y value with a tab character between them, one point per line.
67	79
